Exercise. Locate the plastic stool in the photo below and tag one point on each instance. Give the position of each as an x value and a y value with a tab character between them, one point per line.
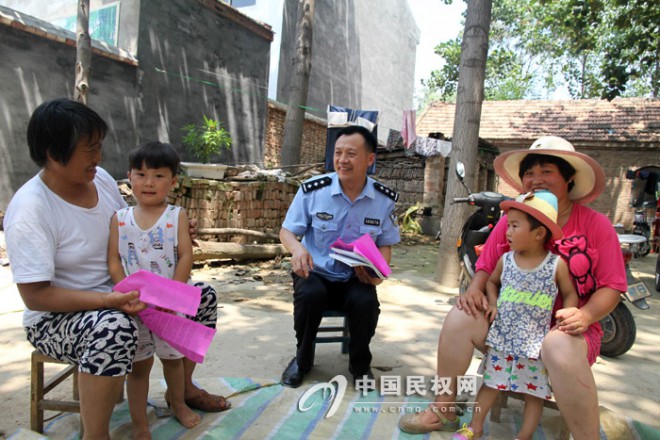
341	332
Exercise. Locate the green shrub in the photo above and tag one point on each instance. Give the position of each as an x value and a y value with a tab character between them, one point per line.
206	140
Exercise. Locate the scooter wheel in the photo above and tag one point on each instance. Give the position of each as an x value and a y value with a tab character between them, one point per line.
619	331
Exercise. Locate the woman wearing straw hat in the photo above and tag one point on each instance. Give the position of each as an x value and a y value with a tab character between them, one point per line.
591	249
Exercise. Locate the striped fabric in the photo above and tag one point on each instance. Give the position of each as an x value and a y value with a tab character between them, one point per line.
270	411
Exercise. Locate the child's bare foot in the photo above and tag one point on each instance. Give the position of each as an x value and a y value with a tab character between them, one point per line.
141	433
186	416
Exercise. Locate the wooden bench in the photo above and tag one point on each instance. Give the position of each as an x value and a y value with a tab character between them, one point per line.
40	387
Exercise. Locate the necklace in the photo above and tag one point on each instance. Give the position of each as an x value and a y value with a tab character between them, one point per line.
565	211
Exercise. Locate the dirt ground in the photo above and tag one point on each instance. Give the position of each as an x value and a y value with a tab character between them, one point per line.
255	335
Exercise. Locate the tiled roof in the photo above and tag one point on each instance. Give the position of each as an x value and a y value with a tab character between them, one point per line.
621	120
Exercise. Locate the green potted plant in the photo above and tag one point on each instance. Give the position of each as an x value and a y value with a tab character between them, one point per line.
204	141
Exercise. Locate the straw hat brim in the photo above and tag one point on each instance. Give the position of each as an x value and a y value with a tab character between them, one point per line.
554	228
589	176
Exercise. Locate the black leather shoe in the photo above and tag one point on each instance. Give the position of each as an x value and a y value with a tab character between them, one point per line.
292	375
368	381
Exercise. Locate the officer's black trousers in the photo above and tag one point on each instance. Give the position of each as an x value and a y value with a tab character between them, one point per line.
313	295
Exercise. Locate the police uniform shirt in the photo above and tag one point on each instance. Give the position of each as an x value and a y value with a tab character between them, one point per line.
321	213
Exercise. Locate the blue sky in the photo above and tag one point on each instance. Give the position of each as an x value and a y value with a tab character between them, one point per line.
437	22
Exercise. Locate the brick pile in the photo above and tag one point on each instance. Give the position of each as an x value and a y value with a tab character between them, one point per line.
255	205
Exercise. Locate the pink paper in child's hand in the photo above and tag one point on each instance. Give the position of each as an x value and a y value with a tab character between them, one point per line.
188	337
162	292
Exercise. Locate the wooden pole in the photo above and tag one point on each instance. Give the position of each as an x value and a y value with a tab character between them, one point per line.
465	138
298	85
83	53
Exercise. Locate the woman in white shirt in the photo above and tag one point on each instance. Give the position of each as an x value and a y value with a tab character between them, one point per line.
57	228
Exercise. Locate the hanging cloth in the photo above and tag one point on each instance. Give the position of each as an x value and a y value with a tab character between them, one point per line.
429	147
408	133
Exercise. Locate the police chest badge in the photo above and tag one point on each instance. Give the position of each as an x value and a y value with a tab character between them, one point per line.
325	215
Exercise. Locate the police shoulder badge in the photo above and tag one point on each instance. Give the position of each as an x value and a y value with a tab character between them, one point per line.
312	185
385	190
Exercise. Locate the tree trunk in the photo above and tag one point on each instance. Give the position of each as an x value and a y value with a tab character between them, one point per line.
465	138
208	250
83	53
238	231
298	85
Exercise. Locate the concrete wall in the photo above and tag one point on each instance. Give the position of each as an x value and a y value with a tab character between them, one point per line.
42	69
194	58
193	62
363	57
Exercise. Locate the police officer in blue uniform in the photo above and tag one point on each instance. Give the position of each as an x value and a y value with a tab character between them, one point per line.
344	204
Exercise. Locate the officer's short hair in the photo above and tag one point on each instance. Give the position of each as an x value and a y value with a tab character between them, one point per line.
369	138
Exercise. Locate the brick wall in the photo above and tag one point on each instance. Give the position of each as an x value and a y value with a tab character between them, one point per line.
403	174
313	142
614	202
257	205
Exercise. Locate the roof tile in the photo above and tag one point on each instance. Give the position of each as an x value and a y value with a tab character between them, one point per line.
621	120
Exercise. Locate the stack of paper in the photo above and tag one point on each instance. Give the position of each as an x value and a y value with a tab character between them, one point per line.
185	335
361	252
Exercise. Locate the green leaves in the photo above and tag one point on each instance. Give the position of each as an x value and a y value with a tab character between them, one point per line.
206	140
594	48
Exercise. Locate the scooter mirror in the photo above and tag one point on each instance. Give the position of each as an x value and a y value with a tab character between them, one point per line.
460	170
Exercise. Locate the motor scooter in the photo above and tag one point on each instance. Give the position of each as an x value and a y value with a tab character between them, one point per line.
619	329
642	228
477	227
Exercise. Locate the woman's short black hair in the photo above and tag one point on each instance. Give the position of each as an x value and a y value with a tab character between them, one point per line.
369	139
154	154
565	169
56	127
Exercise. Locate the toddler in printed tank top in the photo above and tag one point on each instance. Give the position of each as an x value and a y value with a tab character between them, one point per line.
521	294
153	236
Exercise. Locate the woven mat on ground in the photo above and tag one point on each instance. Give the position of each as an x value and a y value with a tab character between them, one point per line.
265	410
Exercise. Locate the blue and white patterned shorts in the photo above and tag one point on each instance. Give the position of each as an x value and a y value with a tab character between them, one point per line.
101	342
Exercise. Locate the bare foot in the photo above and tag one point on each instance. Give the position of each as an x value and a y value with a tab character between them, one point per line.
186	416
141	433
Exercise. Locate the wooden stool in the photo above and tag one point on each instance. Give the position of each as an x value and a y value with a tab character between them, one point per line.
344	336
40	387
502	402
